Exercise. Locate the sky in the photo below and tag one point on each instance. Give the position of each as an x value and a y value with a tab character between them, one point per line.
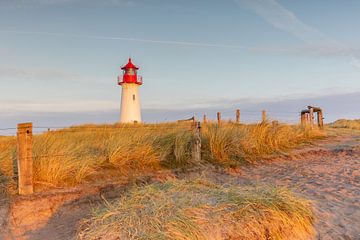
59	59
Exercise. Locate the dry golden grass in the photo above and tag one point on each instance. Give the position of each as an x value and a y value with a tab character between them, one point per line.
201	210
177	209
70	156
7	158
344	123
73	155
233	144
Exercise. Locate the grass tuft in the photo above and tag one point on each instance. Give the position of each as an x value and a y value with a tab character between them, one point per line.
344	123
233	144
200	210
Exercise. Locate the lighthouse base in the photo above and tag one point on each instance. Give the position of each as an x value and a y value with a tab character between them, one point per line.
130	103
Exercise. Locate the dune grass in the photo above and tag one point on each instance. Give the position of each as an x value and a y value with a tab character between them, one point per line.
69	156
233	145
74	155
345	123
201	210
7	156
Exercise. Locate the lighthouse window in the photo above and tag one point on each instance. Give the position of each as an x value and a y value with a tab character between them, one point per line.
134	97
130	71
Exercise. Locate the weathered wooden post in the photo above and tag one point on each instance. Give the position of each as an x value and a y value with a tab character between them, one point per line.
25	158
196	153
263	116
205	120
311	110
237	115
219	118
193	122
320	119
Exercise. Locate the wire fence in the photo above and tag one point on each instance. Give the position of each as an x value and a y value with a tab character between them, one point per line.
247	116
252	116
92	129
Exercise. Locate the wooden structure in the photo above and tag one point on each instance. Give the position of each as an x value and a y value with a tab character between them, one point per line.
263	116
219	118
187	120
196	152
25	158
308	118
237	115
205	119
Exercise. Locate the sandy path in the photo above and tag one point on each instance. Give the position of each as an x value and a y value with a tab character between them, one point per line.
328	174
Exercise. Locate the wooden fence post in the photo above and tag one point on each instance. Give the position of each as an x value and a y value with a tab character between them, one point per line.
25	158
205	120
263	116
237	115
320	119
311	117
196	153
193	122
219	118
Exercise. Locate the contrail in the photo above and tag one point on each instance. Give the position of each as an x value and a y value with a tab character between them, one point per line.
182	43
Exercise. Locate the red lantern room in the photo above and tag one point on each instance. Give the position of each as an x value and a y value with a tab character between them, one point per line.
130	74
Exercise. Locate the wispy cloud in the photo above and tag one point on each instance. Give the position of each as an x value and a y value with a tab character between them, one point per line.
38	73
331	48
57	106
34	3
317	43
44	75
169	42
310	50
283	19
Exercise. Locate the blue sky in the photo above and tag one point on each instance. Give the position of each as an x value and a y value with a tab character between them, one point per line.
63	56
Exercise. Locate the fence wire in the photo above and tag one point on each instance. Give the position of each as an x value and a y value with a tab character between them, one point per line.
246	116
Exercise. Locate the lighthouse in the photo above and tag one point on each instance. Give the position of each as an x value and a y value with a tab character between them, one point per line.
130	100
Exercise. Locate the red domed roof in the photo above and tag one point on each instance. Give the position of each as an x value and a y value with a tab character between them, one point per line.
129	65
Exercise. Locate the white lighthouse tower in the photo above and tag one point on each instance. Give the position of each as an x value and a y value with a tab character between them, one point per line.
130	100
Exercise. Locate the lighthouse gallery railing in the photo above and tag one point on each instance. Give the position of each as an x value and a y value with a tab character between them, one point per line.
139	80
